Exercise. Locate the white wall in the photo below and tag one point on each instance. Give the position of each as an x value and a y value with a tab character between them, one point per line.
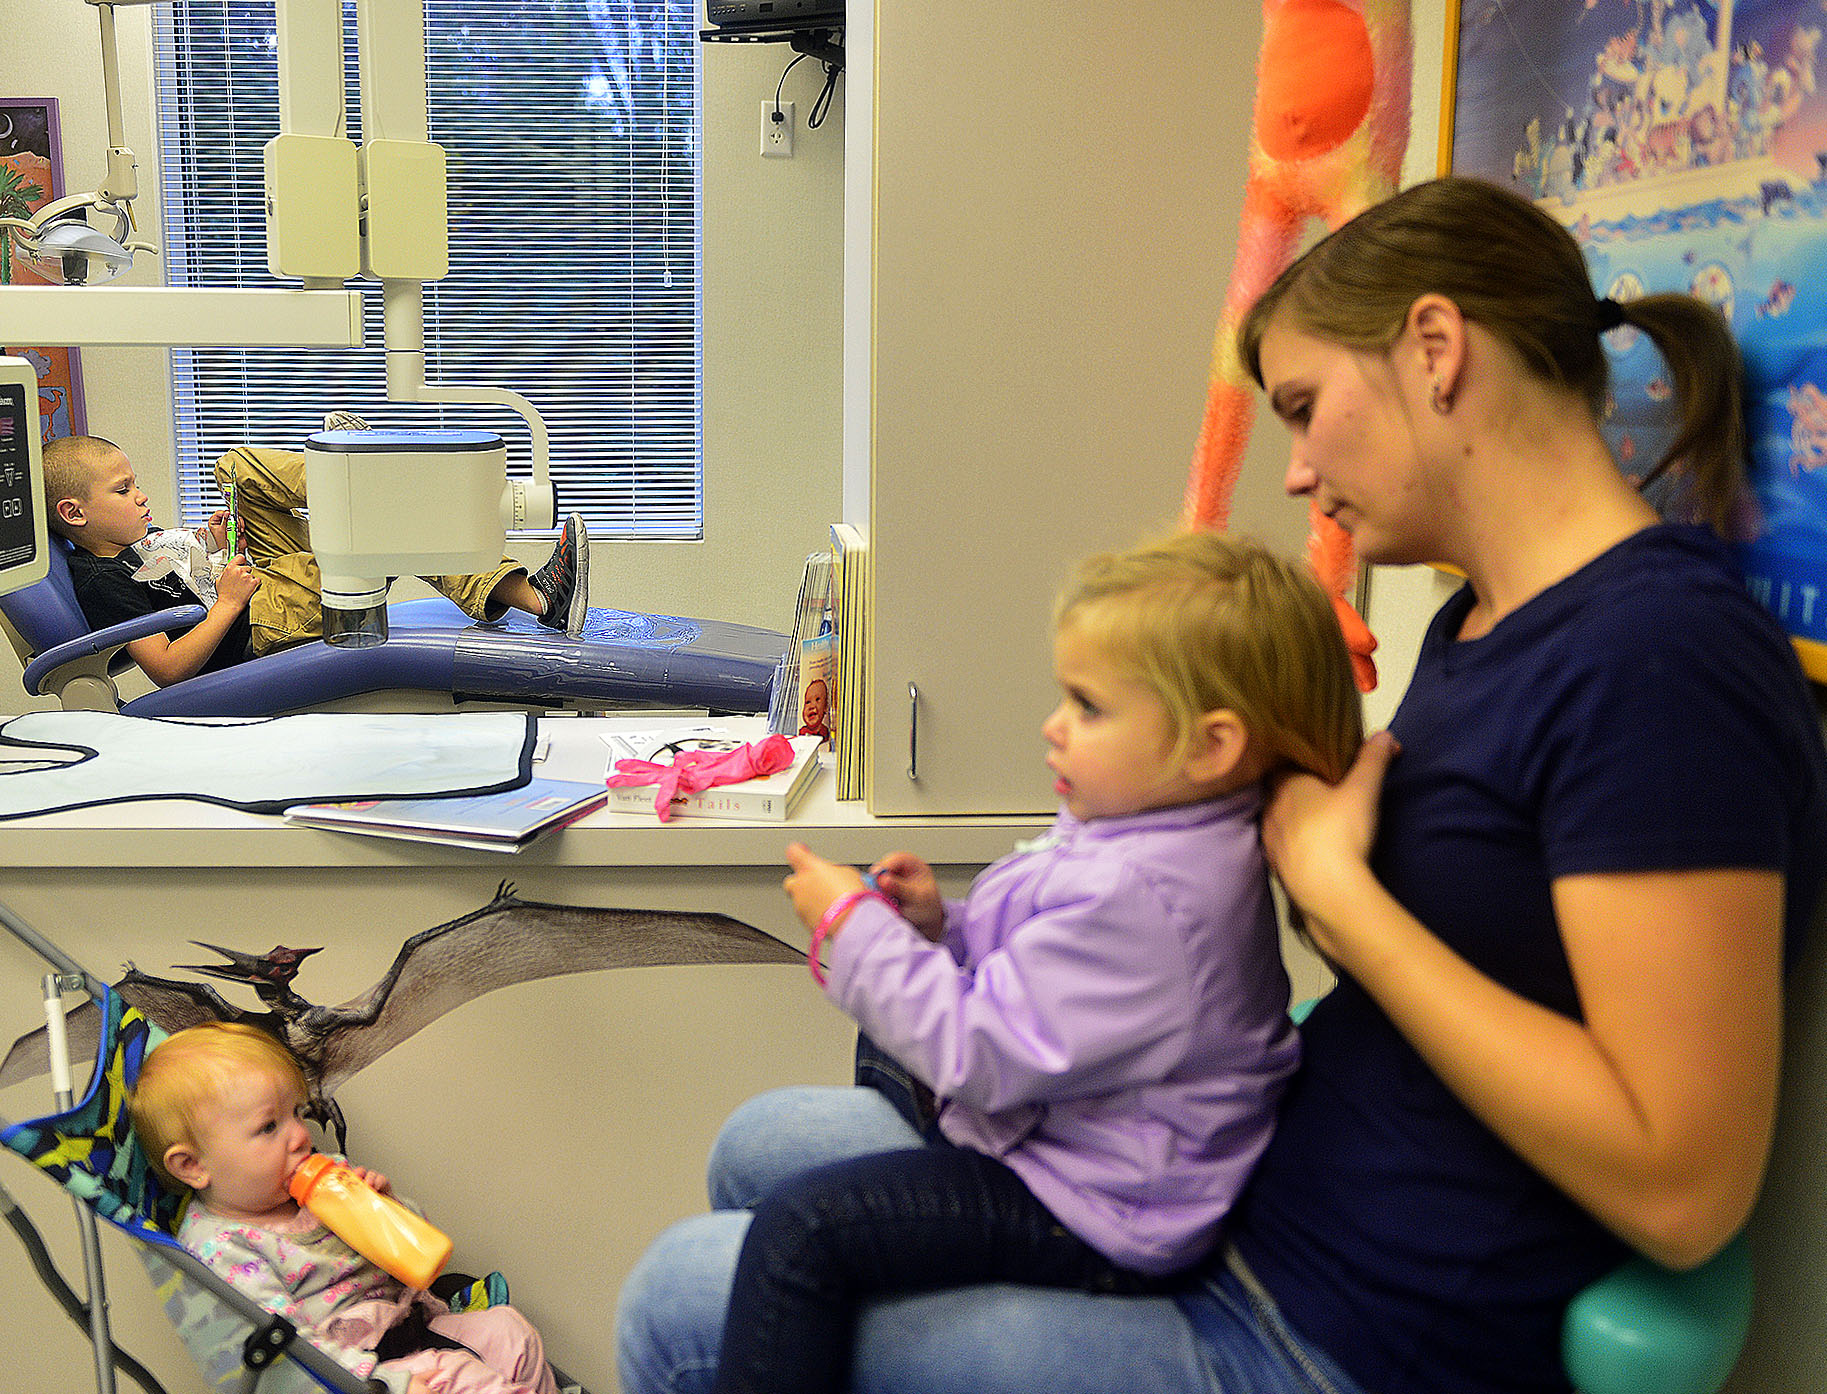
772	286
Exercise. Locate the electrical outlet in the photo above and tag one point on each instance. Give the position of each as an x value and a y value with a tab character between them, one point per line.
776	130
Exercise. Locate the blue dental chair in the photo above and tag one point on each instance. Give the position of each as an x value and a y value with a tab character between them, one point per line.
435	657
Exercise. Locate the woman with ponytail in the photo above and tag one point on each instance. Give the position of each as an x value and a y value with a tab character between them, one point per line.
1562	889
1561	892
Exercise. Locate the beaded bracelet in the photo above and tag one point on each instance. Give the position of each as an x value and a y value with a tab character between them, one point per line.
834	912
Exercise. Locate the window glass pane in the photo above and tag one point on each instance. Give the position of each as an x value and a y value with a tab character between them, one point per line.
570	132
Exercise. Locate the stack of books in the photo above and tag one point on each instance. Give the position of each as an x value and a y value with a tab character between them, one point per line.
805	683
771	798
850	592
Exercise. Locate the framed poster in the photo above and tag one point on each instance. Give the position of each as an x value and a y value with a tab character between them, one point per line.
1684	143
31	175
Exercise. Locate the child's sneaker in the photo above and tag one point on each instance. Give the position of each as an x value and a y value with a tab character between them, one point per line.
564	581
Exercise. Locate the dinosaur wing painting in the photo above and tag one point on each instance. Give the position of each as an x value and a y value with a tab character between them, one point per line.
30	1057
514	941
169	1003
507	941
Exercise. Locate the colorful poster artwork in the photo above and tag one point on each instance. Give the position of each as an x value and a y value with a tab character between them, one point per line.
1684	143
30	177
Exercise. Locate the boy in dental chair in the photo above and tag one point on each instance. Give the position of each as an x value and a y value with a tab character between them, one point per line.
269	595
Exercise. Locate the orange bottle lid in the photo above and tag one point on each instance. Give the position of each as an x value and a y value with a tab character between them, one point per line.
310	1172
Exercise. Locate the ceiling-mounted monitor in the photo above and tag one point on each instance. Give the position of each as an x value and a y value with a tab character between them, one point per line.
773	16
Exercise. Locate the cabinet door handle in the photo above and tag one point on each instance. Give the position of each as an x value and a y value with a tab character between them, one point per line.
913	732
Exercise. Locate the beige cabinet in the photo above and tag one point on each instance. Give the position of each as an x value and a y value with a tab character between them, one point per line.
1041	204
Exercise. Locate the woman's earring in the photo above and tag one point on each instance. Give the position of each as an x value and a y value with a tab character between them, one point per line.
1441	406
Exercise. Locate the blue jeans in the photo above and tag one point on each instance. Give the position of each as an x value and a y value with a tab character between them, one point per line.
916	1220
1217	1338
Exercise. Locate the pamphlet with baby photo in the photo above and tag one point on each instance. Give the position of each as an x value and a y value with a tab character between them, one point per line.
818	686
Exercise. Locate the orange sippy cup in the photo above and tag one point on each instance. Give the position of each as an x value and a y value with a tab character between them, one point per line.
377	1227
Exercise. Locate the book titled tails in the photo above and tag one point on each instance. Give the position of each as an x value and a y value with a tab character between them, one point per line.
769	799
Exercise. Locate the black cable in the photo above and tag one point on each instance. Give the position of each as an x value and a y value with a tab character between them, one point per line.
821	107
781	85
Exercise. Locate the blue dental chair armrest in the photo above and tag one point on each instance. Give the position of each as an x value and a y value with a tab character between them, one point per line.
623	659
42	673
436	658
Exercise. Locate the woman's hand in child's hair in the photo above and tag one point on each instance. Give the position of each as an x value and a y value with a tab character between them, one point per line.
217	529
910	883
237	583
815	883
1317	837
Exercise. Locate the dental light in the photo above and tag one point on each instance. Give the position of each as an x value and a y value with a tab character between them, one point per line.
74	253
60	232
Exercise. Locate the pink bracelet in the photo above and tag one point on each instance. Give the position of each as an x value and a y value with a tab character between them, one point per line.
834	912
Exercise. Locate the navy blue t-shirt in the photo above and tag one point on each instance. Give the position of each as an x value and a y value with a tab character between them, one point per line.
1643	714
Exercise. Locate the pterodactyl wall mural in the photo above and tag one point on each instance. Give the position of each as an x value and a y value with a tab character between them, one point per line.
507	941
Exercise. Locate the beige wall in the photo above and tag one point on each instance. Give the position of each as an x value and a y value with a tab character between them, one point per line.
772	279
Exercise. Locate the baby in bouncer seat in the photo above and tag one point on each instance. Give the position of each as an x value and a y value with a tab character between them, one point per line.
217	1112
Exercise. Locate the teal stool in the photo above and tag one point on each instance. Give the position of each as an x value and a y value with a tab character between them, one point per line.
1643	1327
1646	1329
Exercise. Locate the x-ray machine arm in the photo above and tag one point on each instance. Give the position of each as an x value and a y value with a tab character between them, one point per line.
334	211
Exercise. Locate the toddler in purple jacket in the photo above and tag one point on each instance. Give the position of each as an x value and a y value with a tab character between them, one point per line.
1103	1021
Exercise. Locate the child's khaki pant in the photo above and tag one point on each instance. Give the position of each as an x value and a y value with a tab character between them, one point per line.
288	607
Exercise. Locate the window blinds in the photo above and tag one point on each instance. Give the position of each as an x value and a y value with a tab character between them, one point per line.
570	130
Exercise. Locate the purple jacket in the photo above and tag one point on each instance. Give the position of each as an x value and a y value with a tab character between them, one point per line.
1107	1014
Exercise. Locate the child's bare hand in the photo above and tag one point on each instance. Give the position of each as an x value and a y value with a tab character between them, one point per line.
376	1182
237	583
217	528
815	883
910	883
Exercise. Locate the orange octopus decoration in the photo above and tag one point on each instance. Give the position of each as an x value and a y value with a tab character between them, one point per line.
1330	129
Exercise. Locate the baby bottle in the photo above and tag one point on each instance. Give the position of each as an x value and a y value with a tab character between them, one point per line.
377	1227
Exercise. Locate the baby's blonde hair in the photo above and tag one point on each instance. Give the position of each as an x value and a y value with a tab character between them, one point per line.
1209	622
188	1073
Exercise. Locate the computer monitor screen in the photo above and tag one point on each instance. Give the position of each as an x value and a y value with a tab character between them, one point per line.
23	558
